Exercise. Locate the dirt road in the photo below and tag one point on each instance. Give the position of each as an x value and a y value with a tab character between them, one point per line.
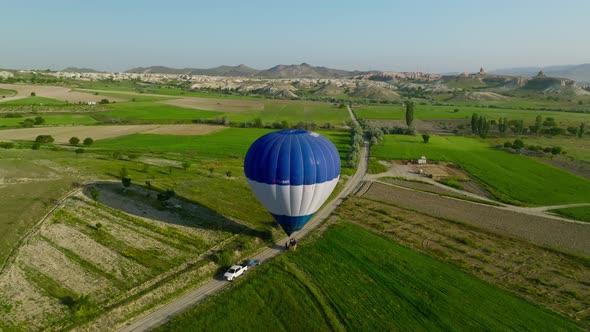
181	304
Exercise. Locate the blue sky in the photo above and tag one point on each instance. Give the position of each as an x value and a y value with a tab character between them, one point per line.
436	36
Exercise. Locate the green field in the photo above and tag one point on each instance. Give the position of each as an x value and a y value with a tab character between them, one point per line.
33	101
62	119
7	93
508	176
228	142
130	97
580	213
352	279
424	112
154	112
319	113
577	148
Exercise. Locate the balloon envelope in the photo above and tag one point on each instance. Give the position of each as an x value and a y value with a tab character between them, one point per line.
292	173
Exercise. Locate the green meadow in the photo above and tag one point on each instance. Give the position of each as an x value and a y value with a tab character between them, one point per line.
352	279
154	112
510	177
580	213
320	113
34	101
61	119
424	112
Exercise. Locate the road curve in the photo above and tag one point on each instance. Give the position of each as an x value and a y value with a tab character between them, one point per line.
165	313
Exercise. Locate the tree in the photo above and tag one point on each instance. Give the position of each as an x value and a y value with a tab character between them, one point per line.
556	150
508	144
186	165
426	137
581	130
228	174
28	123
33	94
409	113
211	169
95	194
258	123
123	173
518	144
538	123
474	123
88	141
103	101
126	181
79	151
39	120
44	139
74	140
36	146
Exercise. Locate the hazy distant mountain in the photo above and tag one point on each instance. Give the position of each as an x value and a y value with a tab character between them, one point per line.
80	70
578	73
303	70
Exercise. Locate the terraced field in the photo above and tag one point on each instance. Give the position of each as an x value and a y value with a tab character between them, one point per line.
88	256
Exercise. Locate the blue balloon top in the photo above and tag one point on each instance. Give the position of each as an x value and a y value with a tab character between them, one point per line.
292	158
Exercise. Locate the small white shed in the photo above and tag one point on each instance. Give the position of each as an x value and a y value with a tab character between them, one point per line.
422	161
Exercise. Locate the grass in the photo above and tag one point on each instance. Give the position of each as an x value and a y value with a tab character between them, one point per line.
423	112
232	142
131	97
52	120
320	113
577	148
369	283
580	213
34	101
508	176
154	112
7	93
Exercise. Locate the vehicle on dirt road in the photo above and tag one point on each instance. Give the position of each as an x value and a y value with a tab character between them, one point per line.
234	272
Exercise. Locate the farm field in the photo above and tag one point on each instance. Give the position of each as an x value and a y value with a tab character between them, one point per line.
577	148
509	177
51	120
63	134
320	113
395	286
397	112
7	93
581	213
63	94
153	112
105	254
228	142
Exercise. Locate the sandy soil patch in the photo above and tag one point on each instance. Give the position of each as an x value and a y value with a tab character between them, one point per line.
103	257
212	104
31	305
57	266
442	171
552	232
54	92
184	130
63	134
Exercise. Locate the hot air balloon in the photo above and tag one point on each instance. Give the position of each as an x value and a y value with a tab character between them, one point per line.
292	173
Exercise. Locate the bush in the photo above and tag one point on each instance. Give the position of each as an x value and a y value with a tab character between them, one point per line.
556	150
425	137
39	120
74	140
36	146
44	139
508	145
518	144
88	141
79	151
28	123
103	101
33	94
6	145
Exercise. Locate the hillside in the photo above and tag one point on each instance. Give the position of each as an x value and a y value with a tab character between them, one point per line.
80	70
303	70
579	73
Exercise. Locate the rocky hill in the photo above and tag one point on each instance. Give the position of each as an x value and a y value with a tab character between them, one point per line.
579	73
